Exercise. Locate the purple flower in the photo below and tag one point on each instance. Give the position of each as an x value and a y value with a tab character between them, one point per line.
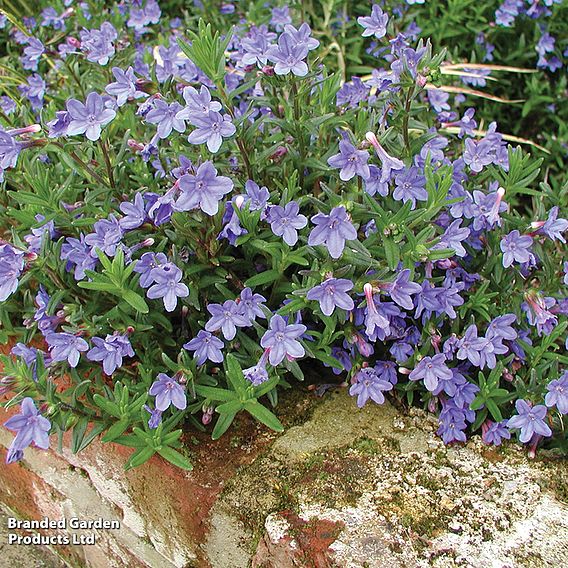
332	293
88	118
332	231
206	346
453	237
58	126
369	385
66	347
125	87
134	213
168	286
281	340
155	417
77	252
257	197
452	425
11	267
168	392
212	127
98	43
226	317
431	370
351	161
251	304
374	185
30	427
288	56
302	36
204	189
165	116
280	17
256	49
410	186
284	221
516	248
144	266
389	164
107	236
402	289
110	351
197	103
557	394
530	420
32	54
554	227
471	347
257	374
495	432
477	154
375	24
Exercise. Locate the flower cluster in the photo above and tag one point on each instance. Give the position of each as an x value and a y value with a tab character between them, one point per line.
193	219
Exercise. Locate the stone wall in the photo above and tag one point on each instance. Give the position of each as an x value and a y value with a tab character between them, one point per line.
340	487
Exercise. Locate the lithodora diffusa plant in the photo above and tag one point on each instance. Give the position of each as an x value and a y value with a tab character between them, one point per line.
189	219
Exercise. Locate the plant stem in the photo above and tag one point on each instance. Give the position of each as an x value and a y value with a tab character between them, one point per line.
105	150
83	164
299	133
406	118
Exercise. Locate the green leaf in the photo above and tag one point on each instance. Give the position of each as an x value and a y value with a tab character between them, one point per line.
392	253
214	393
139	457
175	458
136	301
222	425
116	430
262	414
78	434
235	375
263	278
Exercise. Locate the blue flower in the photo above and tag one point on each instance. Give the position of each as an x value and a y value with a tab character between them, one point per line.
351	161
226	317
375	24
204	189
369	385
431	370
332	293
557	394
332	231
168	286
165	116
11	267
110	351
289	55
516	248
88	118
168	392
212	127
206	346
31	427
66	347
530	420
125	87
281	340
284	221
251	304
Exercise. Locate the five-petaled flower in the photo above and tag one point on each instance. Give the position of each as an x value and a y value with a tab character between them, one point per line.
168	392
30	427
282	340
530	420
88	118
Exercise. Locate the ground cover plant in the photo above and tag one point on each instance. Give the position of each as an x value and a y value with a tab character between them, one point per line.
200	202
